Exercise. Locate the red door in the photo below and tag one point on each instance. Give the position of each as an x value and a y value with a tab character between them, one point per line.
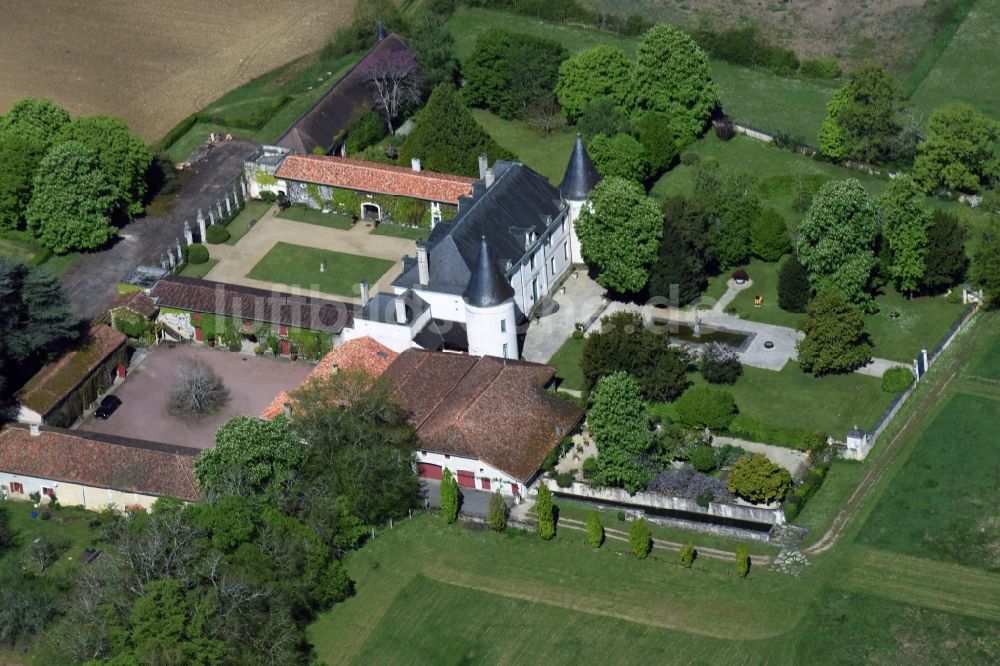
514	490
466	479
486	484
428	471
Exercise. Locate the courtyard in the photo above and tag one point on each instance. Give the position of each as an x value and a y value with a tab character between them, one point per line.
253	381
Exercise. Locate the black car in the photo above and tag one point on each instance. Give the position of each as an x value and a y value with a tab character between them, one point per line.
108	406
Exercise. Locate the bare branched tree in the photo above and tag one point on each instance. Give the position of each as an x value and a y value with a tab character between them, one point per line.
198	391
394	81
545	114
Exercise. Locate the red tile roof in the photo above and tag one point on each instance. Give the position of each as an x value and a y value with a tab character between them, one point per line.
374	177
100	461
47	389
137	301
359	354
485	408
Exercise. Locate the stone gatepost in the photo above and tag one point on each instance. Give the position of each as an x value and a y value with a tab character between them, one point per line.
170	259
211	218
180	254
229	210
243	187
201	229
201	219
188	236
221	216
236	195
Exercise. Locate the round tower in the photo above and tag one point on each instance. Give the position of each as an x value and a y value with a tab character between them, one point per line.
489	309
581	177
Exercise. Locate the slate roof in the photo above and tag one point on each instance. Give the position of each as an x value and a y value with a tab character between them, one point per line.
483	407
232	300
54	382
488	286
374	177
100	461
323	124
581	174
518	204
137	301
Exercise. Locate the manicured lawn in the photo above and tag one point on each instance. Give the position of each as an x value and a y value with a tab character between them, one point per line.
397	231
22	246
298	265
717	286
567	363
765	283
198	270
317	217
548	154
921	324
240	225
942	504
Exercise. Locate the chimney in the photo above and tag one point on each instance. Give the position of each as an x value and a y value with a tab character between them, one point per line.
400	309
488	178
415	163
423	264
34	430
483	164
364	293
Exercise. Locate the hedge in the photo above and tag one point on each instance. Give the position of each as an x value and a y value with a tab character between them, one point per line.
751	429
216	234
197	254
808	488
896	379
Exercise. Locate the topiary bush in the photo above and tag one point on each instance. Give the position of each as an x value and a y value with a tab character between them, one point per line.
449	497
896	379
742	561
216	234
640	541
197	254
564	480
703	459
757	479
496	514
595	531
545	512
688	554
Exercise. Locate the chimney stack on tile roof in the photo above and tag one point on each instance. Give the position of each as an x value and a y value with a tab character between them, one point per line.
483	164
423	264
35	430
415	163
488	178
400	309
364	293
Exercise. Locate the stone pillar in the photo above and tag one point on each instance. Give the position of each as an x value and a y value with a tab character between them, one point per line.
236	196
170	259
211	217
219	206
164	264
188	237
180	254
201	219
229	210
243	187
201	229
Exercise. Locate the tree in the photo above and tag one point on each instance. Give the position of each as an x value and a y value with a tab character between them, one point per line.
985	266
70	200
730	208
595	531
545	513
449	496
620	156
958	153
757	479
36	322
602	71
434	47
704	407
602	116
769	236
447	138
38	120
620	424
720	364
640	541
794	291
904	231
837	240
653	129
8	536
19	159
742	560
688	554
835	338
496	514
831	134
257	450
508	71
671	75
544	114
861	121
393	79
620	233
946	262
198	390
678	274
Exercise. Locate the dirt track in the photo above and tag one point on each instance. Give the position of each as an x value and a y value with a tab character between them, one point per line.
153	63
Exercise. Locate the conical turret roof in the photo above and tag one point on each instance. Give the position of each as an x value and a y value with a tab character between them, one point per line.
581	175
488	286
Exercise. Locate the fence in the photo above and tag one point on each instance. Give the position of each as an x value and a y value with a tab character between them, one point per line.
222	212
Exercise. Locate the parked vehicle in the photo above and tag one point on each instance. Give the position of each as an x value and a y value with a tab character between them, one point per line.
108	406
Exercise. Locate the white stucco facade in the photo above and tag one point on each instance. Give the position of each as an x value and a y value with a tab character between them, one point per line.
492	331
19	487
486	477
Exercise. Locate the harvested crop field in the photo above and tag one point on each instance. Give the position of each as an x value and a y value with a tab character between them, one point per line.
153	63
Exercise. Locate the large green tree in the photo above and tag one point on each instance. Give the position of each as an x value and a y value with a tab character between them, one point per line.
258	451
619	155
655	133
671	75
837	240
620	233
794	291
904	232
122	157
434	46
70	200
19	159
984	268
769	235
835	338
946	262
678	275
862	117
602	116
38	120
958	152
602	71
447	138
620	423
731	208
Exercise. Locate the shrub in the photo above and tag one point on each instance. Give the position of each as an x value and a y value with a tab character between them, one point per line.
690	159
727	454
704	407
589	468
769	235
365	130
640	541
742	561
757	479
690	484
577	335
720	364
216	234
449	497
703	459
545	512
741	275
564	480
496	515
825	68
688	554
810	484
197	253
198	390
595	531
896	379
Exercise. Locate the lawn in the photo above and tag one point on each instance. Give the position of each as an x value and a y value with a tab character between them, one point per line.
548	154
300	266
567	363
942	504
198	270
765	283
21	245
397	231
820	509
70	525
240	225
921	324
317	217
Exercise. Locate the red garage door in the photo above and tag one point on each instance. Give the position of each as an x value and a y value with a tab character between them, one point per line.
428	471
466	479
486	484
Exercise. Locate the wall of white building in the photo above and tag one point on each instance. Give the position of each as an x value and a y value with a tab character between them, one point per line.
492	331
74	494
494	478
546	261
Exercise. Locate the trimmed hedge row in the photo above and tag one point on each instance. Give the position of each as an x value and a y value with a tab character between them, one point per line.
800	439
808	488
